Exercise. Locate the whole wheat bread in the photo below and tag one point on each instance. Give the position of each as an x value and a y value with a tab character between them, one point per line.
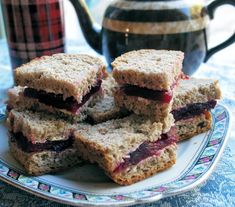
39	163
195	90
148	68
159	112
69	74
38	127
187	128
147	167
109	142
18	101
105	108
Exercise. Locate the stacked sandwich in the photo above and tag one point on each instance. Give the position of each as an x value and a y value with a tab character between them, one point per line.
190	105
50	89
58	115
61	84
150	85
136	147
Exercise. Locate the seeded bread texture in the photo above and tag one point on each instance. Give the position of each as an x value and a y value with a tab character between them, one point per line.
38	127
195	91
105	109
159	112
187	128
114	139
39	163
147	167
108	151
18	101
152	69
108	85
67	74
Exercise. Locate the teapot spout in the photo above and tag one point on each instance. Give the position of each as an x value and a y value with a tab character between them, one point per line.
90	29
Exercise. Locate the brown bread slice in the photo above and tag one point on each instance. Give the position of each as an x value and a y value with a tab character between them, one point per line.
39	163
105	109
148	68
159	112
69	74
38	127
109	142
187	128
148	167
196	90
18	101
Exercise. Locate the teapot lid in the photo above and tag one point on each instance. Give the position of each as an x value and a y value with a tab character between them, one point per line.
156	4
156	17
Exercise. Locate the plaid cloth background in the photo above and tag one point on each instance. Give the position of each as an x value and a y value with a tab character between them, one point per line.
34	28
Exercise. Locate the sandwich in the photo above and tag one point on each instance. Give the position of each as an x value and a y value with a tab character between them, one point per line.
17	100
192	103
147	80
129	149
105	108
41	143
62	84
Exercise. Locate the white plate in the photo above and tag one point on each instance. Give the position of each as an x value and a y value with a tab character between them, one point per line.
87	185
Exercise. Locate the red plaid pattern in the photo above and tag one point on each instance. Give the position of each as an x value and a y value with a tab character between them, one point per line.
34	28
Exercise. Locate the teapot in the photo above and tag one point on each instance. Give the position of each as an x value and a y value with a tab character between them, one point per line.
153	24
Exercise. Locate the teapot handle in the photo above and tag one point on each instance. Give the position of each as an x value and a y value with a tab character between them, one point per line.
211	9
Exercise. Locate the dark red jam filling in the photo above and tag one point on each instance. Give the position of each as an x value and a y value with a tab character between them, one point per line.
27	146
192	110
147	149
155	95
57	101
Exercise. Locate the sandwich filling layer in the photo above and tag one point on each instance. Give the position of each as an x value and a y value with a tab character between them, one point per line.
162	96
57	101
24	144
147	149
192	110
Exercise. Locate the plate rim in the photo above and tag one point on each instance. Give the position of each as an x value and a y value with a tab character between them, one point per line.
130	201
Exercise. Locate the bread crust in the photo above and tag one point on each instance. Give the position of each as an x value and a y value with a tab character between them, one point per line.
19	102
188	128
195	91
147	167
148	68
159	112
39	163
105	110
108	85
95	153
116	138
38	127
69	74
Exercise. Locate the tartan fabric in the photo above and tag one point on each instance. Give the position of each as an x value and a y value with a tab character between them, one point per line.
34	28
